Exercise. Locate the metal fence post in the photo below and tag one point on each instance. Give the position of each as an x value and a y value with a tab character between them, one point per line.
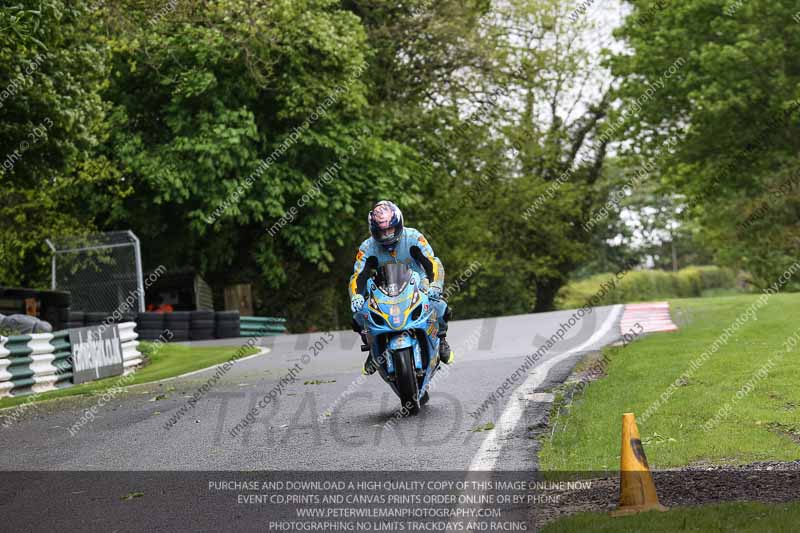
102	271
52	265
139	273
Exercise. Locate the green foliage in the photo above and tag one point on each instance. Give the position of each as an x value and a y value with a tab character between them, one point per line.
248	139
549	159
51	120
226	130
642	285
734	103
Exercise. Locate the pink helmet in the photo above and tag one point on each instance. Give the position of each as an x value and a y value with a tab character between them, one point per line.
386	223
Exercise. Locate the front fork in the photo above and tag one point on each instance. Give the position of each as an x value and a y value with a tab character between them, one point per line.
403	341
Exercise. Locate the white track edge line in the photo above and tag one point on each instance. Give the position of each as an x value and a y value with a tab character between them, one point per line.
486	456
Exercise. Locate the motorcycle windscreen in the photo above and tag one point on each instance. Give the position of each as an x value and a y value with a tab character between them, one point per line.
393	278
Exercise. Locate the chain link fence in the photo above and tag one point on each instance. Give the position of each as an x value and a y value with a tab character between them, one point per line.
102	271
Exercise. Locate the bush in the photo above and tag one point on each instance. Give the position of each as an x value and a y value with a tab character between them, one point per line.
641	285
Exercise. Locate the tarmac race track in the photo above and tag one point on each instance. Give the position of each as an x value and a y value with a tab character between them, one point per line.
312	424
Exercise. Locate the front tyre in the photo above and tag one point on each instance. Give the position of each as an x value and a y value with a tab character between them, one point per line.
406	380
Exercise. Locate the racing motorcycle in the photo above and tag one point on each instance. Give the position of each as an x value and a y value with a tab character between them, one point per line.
402	326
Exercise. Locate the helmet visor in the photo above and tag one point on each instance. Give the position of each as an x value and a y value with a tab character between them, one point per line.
386	234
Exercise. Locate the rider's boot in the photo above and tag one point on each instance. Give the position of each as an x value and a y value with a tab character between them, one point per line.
369	367
446	355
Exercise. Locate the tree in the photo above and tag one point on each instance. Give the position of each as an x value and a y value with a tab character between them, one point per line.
243	129
51	119
558	100
428	87
727	86
503	101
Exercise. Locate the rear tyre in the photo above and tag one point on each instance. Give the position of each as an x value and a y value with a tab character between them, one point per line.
406	380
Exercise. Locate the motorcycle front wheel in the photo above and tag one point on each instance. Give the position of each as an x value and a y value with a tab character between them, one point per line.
406	380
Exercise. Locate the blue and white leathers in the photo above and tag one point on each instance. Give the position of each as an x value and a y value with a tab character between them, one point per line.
413	250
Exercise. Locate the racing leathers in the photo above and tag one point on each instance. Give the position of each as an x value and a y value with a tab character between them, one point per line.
414	250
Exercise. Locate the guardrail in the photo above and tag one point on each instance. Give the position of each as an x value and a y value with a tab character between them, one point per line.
16	354
261	326
42	362
62	358
42	355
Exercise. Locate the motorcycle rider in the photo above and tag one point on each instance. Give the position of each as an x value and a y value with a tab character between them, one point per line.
391	242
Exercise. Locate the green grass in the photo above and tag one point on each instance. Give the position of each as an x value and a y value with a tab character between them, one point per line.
763	425
720	293
171	360
747	517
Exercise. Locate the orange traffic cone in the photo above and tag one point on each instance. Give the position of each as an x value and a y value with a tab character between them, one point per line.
637	491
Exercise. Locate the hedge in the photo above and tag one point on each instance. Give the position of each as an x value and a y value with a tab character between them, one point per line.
642	285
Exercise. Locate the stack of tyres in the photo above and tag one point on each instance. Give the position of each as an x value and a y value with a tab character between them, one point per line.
95	318
178	323
56	317
202	325
55	308
150	326
63	319
75	319
227	324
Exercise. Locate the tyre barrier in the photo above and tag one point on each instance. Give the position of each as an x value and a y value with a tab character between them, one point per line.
202	325
95	318
206	325
42	362
16	374
149	325
62	358
131	357
18	354
227	325
43	355
5	376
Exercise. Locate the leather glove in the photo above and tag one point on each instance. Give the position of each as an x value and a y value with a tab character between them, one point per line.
356	303
434	292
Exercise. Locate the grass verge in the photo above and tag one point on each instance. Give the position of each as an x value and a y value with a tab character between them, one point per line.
759	422
169	361
747	517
